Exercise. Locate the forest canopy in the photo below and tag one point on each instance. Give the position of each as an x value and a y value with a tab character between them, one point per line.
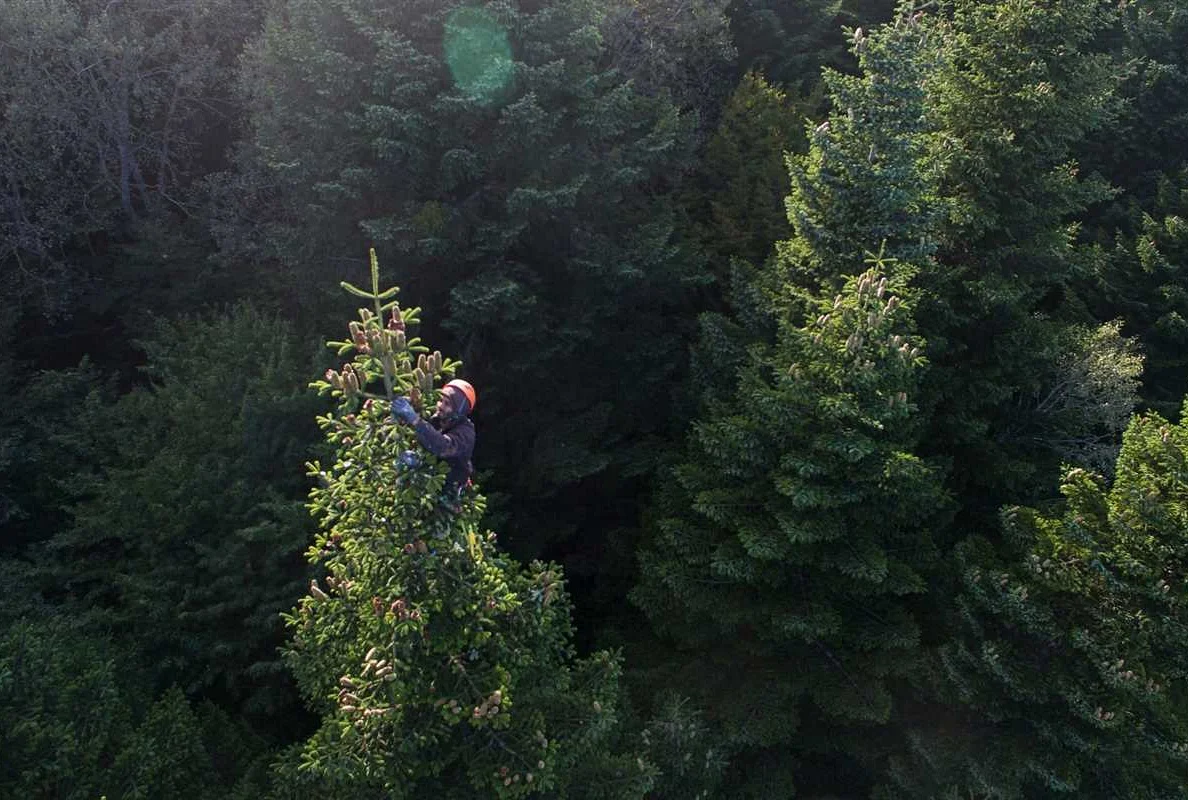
823	433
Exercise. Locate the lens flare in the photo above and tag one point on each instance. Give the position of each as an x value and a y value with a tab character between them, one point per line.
478	54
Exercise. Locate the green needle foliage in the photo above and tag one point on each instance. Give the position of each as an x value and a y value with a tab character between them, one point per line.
187	545
1066	676
788	544
80	724
440	667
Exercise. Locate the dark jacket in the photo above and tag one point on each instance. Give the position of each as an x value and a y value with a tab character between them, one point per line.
451	441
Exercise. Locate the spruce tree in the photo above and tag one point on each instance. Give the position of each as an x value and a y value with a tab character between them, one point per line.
943	149
743	180
439	666
1065	673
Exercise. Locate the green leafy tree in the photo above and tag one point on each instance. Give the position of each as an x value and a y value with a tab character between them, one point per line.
1064	676
64	709
439	666
693	760
189	544
1145	144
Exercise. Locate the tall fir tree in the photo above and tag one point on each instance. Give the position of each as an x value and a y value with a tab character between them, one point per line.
1017	88
799	520
788	544
440	666
739	197
1065	673
987	205
952	147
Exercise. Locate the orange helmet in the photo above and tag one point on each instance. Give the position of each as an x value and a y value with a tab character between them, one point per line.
466	389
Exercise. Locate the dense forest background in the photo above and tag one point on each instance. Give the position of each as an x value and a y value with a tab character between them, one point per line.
830	358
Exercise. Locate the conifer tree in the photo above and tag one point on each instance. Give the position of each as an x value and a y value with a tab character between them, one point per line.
80	722
787	545
1065	673
1017	86
1137	274
984	199
743	176
791	42
1138	277
942	148
186	545
439	666
800	520
736	210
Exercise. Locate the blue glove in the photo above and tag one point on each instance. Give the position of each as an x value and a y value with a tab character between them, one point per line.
403	410
409	459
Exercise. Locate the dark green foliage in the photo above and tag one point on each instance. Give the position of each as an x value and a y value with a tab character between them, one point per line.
80	724
956	145
692	761
1147	142
789	42
1016	90
64	710
675	47
51	440
735	203
439	666
1137	274
539	213
1065	673
788	543
743	178
794	551
1140	279
189	547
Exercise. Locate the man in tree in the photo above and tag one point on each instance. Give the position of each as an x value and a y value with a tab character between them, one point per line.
449	435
